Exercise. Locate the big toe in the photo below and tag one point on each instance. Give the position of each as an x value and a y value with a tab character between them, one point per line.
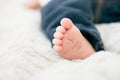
66	23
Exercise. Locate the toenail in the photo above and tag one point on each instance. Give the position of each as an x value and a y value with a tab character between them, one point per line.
58	35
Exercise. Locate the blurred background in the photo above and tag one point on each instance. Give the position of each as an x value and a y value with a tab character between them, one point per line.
25	51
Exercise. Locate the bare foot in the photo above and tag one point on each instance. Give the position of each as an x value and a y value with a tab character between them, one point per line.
69	43
33	4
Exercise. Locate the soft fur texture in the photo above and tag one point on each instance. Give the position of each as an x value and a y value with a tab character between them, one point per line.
25	51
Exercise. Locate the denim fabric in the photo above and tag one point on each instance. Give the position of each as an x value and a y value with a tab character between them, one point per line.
82	13
106	11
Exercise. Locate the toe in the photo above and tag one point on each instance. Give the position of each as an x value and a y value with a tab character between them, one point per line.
66	23
57	48
58	35
60	29
57	41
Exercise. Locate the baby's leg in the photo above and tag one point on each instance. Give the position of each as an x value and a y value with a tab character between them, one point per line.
70	43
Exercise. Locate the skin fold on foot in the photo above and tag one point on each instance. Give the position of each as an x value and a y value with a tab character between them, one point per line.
69	43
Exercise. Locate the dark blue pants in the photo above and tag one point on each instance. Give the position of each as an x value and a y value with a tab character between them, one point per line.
81	12
106	11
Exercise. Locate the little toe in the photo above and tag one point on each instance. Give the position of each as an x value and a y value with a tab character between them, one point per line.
66	23
60	29
57	48
57	41
58	35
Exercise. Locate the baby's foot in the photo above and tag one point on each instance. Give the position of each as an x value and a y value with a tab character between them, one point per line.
69	43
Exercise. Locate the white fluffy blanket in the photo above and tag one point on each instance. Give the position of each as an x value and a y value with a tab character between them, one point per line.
25	52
